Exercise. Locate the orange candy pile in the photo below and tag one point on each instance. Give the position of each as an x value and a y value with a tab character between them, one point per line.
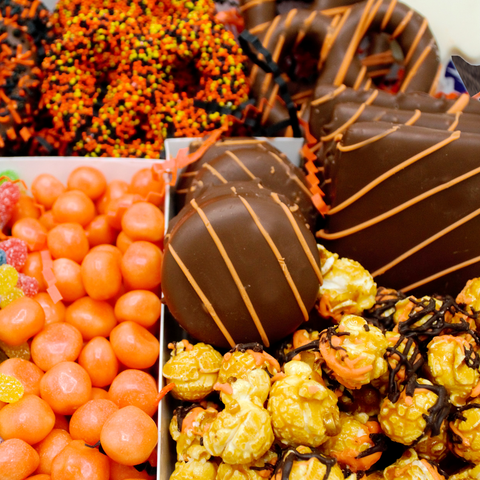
95	249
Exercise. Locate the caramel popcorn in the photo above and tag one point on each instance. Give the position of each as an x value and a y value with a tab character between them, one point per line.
197	468
465	427
410	467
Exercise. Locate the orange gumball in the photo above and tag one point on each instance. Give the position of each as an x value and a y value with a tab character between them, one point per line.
127	472
24	208
48	220
18	459
109	248
152	190
99	231
73	207
87	422
21	320
46	189
40	476
27	373
139	306
143	221
123	242
142	266
99	361
93	318
117	207
99	393
135	387
30	419
50	447
66	387
57	342
32	232
134	345
68	240
89	180
79	462
33	268
69	279
61	422
129	436
101	275
54	312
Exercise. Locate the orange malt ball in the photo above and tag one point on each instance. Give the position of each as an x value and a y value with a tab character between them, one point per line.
99	231
66	387
143	221
32	232
152	190
127	472
101	275
79	462
25	208
89	180
129	436
27	373
33	268
115	189
21	320
50	447
108	248
46	189
99	393
87	422
48	220
40	476
93	318
134	345
54	312
139	306
69	279
134	387
68	240
99	361
18	459
74	206
123	242
117	207
31	419
142	266
58	342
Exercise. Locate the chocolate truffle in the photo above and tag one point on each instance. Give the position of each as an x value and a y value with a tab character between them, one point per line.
240	266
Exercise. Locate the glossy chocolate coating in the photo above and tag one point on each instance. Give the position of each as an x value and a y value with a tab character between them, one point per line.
404	232
321	113
253	259
186	178
273	171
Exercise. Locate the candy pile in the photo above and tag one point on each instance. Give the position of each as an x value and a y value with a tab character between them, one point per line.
78	325
388	390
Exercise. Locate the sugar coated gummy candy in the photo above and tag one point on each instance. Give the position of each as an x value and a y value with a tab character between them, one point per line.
3	257
11	390
9	196
16	251
27	284
8	281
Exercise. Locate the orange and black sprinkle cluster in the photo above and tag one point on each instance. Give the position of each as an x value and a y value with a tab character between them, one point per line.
122	76
23	30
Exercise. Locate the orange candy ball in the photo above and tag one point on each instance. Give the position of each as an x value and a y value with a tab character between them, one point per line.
91	317
48	220
99	393
32	232
99	361
134	345
126	472
99	231
115	189
139	306
33	268
30	419
142	266
69	279
40	476
143	221
117	207
50	447
66	387
68	240
46	189
75	207
27	373
143	183
21	320
87	422
129	436
109	248
89	180
25	208
18	459
101	275
79	462
54	312
123	242
134	387
58	342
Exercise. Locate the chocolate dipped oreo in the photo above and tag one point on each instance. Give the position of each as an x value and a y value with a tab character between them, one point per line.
272	170
240	266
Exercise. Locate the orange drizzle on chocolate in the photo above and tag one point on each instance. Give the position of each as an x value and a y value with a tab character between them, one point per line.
388	14
331	36
415	42
240	164
454	124
460	104
215	172
416	66
402	25
329	96
414	117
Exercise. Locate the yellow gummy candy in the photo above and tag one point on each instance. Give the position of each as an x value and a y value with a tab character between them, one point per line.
19	351
8	278
12	295
11	390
